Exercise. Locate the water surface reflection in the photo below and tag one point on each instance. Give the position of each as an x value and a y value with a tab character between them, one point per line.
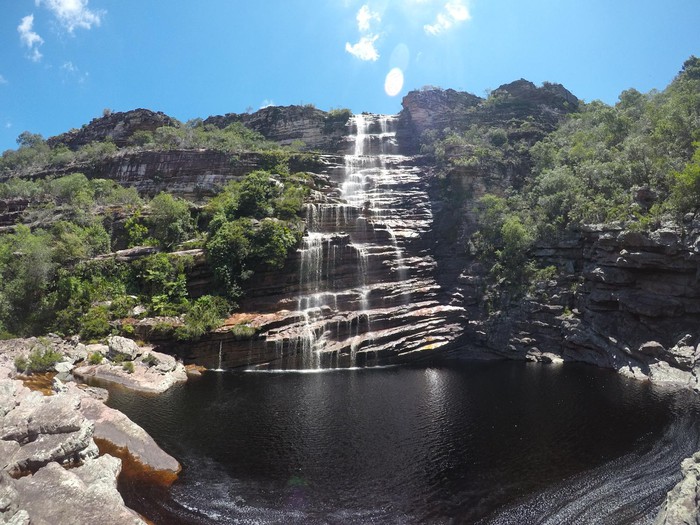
499	442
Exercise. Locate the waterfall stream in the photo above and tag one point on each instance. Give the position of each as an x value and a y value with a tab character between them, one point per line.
366	287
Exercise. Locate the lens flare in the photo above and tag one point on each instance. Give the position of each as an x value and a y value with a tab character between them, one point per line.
393	82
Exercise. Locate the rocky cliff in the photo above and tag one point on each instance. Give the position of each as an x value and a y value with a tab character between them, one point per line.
622	299
307	126
116	127
437	110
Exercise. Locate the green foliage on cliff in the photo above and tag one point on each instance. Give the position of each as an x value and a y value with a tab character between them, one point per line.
636	162
170	220
205	314
51	278
234	138
254	224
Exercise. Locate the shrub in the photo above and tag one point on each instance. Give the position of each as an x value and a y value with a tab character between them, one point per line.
150	360
242	331
95	358
95	323
206	314
21	363
128	367
170	219
122	305
41	359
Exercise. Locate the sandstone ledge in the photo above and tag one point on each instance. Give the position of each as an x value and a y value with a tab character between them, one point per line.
41	434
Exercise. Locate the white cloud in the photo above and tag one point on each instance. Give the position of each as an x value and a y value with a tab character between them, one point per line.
29	38
3	80
73	13
365	17
72	71
364	49
453	13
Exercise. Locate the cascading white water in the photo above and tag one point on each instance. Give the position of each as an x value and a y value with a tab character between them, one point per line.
356	283
219	367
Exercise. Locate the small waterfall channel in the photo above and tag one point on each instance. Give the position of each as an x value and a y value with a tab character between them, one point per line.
366	289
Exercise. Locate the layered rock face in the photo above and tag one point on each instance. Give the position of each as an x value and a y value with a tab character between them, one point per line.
626	300
187	173
361	289
286	125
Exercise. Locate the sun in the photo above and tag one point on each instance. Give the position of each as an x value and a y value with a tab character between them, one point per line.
393	82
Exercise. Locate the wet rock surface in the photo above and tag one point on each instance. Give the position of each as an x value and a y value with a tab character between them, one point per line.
361	290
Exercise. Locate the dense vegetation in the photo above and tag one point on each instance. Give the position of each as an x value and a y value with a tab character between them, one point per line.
637	162
55	274
34	153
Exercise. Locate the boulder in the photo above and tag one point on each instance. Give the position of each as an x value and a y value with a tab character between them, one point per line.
80	496
9	506
123	348
63	367
116	428
40	430
651	348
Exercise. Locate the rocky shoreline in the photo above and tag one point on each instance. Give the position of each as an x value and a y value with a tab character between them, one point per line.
58	448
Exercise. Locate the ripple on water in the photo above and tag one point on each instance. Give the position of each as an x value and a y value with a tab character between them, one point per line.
500	443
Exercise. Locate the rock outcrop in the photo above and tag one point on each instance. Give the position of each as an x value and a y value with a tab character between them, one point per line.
41	435
306	126
436	110
117	127
681	504
83	495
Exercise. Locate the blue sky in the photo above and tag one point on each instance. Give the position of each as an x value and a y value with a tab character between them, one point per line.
63	61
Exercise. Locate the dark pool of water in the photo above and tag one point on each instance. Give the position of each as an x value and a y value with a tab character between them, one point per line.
459	442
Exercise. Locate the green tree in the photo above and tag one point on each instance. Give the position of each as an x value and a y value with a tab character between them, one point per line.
206	314
685	193
170	219
26	272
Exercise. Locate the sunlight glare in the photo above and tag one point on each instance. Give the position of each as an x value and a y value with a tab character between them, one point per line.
394	82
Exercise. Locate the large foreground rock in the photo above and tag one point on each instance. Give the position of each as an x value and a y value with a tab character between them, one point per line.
85	495
116	428
42	435
37	430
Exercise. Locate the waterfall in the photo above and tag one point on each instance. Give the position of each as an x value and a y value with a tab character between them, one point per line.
361	295
219	367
